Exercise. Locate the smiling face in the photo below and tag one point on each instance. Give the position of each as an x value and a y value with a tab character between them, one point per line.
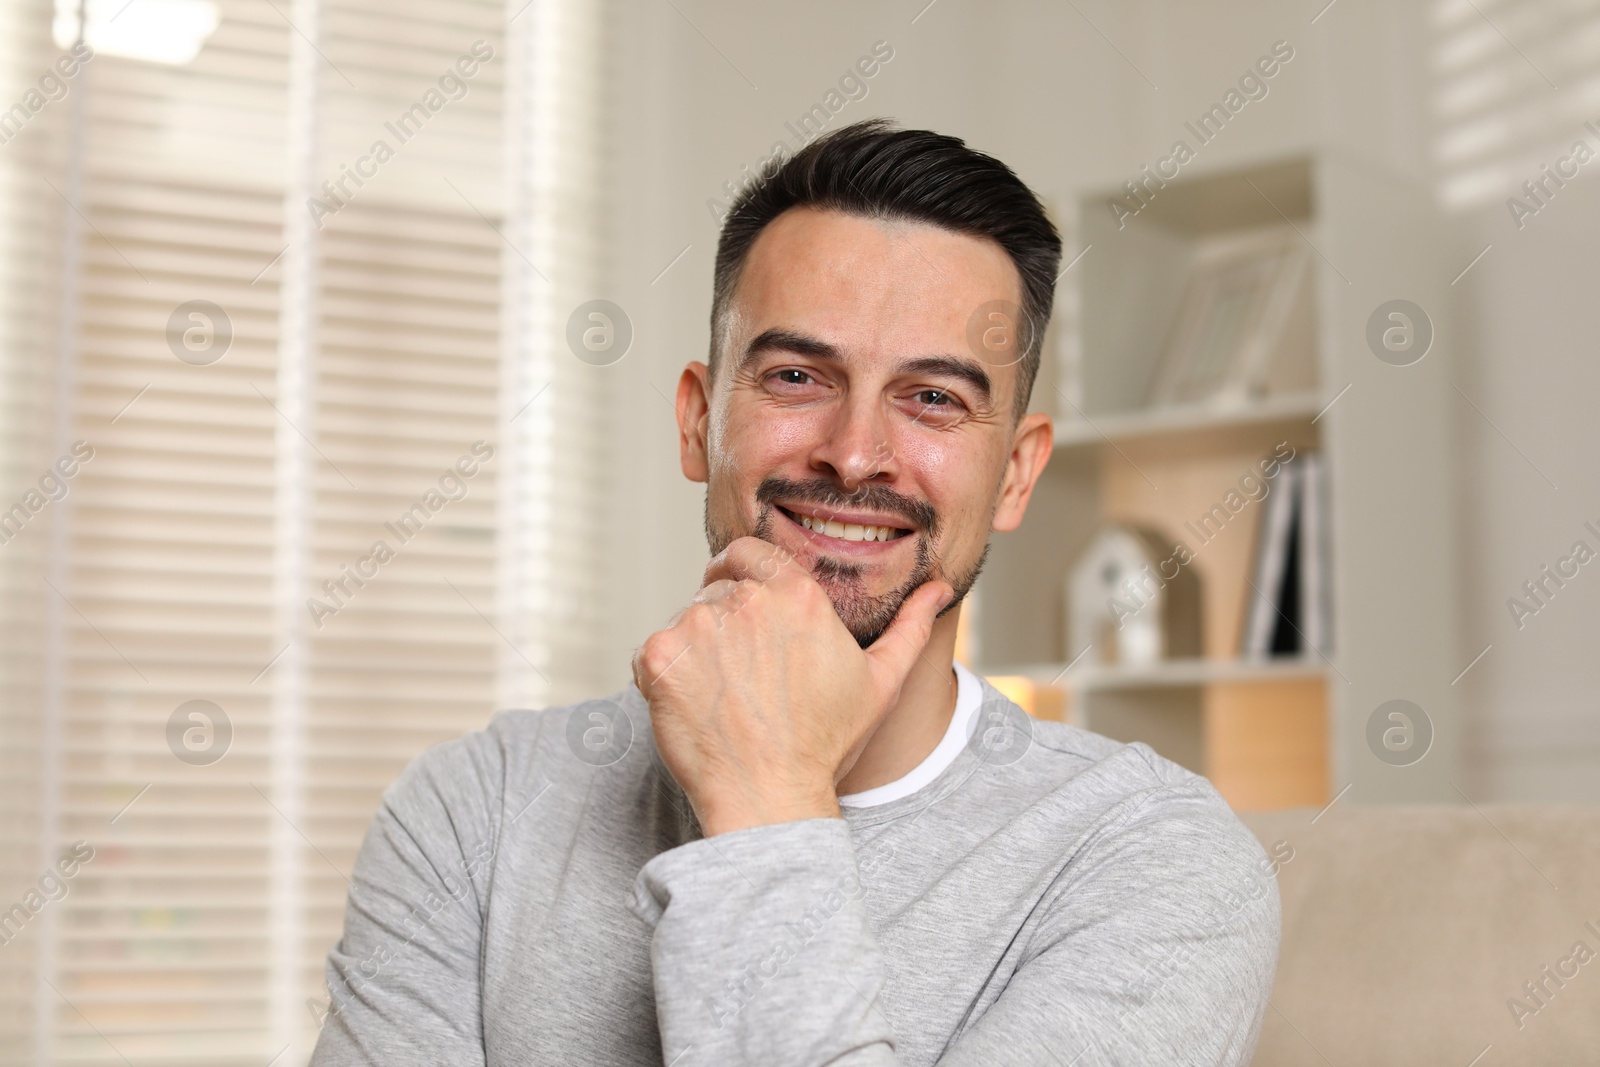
852	422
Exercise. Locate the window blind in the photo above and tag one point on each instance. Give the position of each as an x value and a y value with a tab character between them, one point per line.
1514	84
450	530
30	270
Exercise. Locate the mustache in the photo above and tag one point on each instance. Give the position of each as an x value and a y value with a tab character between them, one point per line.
919	514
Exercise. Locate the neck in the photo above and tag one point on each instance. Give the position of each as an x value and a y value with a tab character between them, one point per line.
917	721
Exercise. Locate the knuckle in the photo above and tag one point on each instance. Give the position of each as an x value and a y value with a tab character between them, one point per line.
813	597
711	591
774	562
720	610
738	597
706	616
657	651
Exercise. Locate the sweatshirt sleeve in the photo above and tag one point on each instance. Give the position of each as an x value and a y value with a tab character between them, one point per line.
1161	949
403	980
1158	947
762	951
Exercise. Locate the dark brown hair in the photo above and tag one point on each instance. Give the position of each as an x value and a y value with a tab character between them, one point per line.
876	170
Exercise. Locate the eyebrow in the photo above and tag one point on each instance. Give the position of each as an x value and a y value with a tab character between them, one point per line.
781	340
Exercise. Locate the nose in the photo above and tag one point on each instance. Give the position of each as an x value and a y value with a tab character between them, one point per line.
856	447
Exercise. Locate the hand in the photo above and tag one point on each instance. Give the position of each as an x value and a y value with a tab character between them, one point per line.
760	698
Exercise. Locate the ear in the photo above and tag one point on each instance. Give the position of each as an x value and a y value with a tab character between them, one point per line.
1031	445
694	411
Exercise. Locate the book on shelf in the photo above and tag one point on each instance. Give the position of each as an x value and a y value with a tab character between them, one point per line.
1287	612
1316	617
1271	564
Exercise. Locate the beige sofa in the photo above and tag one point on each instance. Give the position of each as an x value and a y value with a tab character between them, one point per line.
1409	933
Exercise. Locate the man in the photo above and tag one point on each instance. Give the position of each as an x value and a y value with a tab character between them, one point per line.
804	835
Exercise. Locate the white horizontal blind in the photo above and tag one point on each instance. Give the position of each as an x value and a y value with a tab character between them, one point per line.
407	393
30	271
162	950
407	397
1514	82
171	557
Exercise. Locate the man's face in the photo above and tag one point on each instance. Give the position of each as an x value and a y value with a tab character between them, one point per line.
849	397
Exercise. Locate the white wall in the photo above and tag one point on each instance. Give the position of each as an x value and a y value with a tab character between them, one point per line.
1039	86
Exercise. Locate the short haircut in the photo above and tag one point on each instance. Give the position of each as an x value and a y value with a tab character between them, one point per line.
875	170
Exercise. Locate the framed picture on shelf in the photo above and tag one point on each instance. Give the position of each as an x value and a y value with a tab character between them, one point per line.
1230	326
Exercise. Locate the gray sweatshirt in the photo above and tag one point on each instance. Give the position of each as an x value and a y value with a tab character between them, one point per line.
539	893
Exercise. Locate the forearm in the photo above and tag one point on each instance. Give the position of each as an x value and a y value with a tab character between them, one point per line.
762	951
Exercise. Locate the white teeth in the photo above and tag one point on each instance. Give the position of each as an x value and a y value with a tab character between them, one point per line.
847	531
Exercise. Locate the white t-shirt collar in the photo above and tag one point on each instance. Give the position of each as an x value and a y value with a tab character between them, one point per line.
969	696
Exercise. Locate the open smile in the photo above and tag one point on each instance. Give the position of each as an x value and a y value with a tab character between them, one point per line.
858	534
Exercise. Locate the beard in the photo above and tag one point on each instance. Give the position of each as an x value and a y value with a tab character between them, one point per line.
864	615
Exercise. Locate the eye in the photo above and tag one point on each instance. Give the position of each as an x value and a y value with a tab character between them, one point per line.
798	374
934	407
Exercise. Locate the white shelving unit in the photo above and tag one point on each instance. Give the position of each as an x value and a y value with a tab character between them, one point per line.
1180	422
1172	673
1273	732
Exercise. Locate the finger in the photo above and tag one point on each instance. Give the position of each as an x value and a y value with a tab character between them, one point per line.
638	681
642	677
897	649
726	597
715	590
749	559
652	660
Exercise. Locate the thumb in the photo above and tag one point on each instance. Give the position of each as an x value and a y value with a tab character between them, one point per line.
895	651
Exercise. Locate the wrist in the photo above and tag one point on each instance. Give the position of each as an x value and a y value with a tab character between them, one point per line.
727	814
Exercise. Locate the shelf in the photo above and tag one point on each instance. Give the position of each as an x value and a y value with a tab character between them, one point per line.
1168	674
1188	424
1268	732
